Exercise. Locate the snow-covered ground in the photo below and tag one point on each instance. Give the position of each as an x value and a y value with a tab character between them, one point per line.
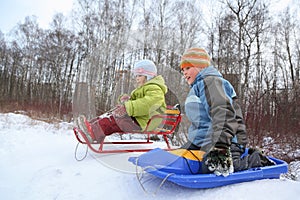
38	163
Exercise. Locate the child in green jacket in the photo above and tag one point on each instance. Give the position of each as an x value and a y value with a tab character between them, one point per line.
134	110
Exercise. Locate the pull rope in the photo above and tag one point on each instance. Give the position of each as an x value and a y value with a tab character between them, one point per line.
188	164
139	176
75	153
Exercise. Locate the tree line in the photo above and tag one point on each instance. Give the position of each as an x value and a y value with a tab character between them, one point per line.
95	47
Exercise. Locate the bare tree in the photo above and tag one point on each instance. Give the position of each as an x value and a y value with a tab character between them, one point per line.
242	10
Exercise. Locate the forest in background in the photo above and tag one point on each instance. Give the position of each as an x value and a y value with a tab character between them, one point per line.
90	54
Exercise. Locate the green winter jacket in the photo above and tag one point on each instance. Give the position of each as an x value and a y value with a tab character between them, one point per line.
146	101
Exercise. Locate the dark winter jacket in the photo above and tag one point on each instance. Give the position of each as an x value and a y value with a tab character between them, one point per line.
211	109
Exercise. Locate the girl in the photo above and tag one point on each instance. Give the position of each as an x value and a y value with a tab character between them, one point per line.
134	111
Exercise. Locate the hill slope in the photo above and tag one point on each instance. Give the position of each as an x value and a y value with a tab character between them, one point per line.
37	162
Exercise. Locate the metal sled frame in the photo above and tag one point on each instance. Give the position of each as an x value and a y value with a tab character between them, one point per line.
170	120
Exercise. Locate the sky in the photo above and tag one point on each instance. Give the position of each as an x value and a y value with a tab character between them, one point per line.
38	163
13	12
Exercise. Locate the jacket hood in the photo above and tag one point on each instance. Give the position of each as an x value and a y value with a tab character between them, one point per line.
208	71
158	80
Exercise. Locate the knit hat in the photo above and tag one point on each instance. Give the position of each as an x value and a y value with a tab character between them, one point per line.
195	57
145	68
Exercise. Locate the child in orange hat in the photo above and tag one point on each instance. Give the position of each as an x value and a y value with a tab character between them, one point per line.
217	125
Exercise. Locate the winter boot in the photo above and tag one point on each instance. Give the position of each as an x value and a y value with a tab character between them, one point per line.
97	130
85	127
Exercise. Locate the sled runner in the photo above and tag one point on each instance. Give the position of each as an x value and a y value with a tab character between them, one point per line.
170	119
181	171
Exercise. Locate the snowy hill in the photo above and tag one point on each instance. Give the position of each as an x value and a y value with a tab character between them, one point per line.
37	163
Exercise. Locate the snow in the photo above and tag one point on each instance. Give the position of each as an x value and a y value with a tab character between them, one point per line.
37	162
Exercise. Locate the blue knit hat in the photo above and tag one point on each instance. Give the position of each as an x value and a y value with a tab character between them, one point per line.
146	68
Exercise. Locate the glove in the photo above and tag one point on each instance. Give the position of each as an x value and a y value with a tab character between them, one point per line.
119	111
124	98
218	161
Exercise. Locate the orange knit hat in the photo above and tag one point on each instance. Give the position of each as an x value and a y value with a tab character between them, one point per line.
195	57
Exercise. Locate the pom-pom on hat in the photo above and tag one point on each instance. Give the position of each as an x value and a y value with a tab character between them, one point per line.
195	57
145	68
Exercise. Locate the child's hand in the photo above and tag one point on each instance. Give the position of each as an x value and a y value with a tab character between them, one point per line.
124	98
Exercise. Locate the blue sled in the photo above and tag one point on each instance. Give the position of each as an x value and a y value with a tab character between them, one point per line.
185	172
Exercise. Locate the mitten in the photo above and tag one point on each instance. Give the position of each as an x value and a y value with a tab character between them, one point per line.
119	111
218	161
123	98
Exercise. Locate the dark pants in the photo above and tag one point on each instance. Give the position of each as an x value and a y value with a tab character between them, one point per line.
250	158
241	160
108	124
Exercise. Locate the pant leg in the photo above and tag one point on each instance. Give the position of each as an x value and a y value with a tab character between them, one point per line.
258	159
127	124
108	124
239	163
252	159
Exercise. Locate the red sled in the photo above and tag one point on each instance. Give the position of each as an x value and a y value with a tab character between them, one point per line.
170	120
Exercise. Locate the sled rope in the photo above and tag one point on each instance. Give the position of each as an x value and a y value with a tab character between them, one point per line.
139	176
76	156
199	166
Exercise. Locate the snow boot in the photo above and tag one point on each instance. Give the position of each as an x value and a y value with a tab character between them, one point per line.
85	127
96	130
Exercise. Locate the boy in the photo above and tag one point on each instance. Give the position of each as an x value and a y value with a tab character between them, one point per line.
217	125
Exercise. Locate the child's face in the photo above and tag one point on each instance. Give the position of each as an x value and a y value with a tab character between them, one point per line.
190	74
140	79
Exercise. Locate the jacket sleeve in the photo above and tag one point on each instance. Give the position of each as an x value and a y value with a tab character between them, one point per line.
152	100
221	111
